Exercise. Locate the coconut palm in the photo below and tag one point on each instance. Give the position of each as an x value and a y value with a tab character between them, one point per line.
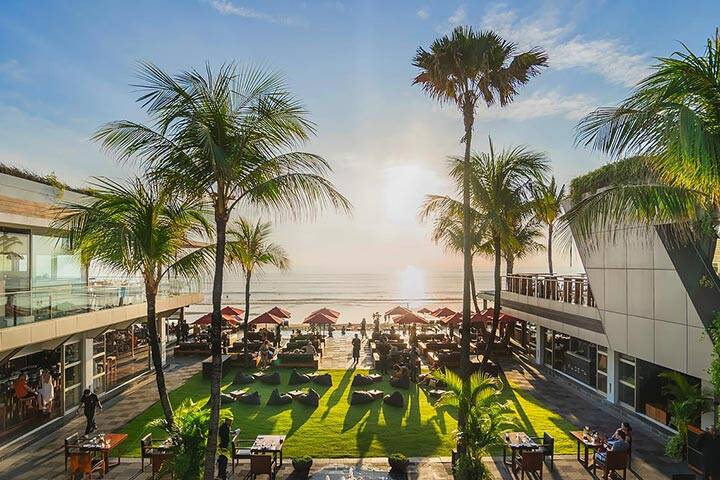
231	136
547	208
521	243
252	250
140	229
672	122
462	69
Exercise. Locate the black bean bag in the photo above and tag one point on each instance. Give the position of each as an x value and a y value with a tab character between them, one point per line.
277	399
395	399
242	378
376	377
324	379
402	382
270	378
361	380
360	397
250	398
226	399
311	398
298	378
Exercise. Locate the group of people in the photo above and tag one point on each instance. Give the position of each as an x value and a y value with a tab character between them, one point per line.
619	441
44	394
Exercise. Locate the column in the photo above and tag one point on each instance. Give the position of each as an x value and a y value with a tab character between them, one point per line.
612	389
539	344
88	370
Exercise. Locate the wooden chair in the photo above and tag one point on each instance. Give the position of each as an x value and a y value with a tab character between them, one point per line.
613	463
71	443
529	461
146	450
547	447
85	463
240	448
261	465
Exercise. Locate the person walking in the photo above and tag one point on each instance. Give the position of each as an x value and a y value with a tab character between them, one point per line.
89	402
414	361
363	328
224	452
356	349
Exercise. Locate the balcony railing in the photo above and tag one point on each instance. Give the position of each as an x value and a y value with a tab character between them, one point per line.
45	303
562	288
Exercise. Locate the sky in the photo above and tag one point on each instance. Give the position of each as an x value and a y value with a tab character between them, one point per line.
67	67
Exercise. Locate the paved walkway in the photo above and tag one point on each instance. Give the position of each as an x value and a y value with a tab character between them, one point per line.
337	353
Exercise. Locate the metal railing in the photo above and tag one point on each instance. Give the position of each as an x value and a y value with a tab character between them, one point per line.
49	302
573	289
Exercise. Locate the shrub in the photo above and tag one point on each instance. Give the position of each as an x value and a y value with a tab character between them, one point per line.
302	464
398	462
675	447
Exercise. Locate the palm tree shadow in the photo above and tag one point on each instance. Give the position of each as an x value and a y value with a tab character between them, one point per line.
511	395
368	429
338	392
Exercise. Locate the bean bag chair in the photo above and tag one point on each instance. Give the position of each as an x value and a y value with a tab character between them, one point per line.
270	378
226	399
360	397
242	378
250	398
401	382
298	378
395	399
361	380
376	377
311	398
324	379
277	399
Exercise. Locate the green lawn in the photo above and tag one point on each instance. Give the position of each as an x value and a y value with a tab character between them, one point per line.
336	429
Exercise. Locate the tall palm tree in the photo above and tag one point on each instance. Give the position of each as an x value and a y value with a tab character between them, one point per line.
140	229
464	68
547	198
522	242
231	136
253	250
671	121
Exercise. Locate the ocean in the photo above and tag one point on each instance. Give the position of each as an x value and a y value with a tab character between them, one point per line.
355	296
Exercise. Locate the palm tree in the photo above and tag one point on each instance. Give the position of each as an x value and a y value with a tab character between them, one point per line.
252	249
144	229
230	136
547	208
521	243
463	69
671	123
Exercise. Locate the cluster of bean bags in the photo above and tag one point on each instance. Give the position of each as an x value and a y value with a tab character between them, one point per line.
298	378
269	378
311	398
361	380
243	378
250	398
277	399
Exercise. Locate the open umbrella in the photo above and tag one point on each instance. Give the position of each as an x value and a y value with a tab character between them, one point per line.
456	319
279	312
326	311
409	318
398	311
443	312
504	317
425	310
266	318
207	319
232	311
320	318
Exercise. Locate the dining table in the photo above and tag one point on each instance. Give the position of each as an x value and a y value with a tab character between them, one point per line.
588	443
103	443
270	444
516	442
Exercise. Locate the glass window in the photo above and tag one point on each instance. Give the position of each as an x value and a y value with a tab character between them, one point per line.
578	360
72	353
53	264
548	353
626	395
73	376
14	261
602	365
626	377
99	345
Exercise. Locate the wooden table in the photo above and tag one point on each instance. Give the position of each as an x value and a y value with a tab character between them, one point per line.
270	444
112	440
588	443
516	441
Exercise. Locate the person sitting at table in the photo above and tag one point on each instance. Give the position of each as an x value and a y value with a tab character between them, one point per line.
309	349
616	443
22	389
625	427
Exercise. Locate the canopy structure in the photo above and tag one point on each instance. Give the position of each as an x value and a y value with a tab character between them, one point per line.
226	319
326	311
398	311
279	312
266	318
425	310
232	311
320	318
409	318
443	312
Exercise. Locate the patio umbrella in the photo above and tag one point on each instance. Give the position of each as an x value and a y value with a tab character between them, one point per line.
319	318
443	312
454	319
488	316
398	311
326	311
409	318
279	312
266	318
425	310
226	319
232	311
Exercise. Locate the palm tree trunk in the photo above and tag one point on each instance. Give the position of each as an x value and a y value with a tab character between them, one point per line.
216	348
247	317
549	248
468	118
150	296
473	291
496	303
509	265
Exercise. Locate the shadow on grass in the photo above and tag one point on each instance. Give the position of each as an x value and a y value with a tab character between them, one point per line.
338	392
509	393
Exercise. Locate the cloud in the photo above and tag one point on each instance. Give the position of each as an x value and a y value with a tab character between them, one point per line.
226	7
11	69
607	57
422	14
458	17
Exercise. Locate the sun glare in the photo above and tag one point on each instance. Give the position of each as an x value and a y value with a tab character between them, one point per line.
412	283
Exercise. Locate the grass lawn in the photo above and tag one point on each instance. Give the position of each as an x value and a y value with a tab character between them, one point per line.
336	429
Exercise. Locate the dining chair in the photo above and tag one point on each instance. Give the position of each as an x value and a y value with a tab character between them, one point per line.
530	461
240	448
85	464
613	463
547	447
261	465
70	442
146	450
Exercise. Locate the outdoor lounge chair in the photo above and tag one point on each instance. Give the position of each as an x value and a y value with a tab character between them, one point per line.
270	378
361	380
70	442
250	398
361	397
240	448
402	382
298	378
311	398
547	447
529	461
395	399
85	464
614	462
277	399
261	465
242	378
325	379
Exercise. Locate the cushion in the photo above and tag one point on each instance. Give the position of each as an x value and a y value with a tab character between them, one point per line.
277	399
402	382
311	398
361	380
360	397
324	379
242	378
298	378
271	378
395	399
250	398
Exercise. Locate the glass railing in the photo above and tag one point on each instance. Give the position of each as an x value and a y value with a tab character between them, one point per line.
562	288
48	302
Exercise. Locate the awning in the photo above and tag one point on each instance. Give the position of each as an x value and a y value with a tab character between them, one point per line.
266	318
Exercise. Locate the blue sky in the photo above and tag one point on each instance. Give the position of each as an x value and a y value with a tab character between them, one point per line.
66	68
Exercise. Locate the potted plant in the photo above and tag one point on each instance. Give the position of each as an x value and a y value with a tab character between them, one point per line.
302	465
398	463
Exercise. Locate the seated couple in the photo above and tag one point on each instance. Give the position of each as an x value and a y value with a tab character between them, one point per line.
618	442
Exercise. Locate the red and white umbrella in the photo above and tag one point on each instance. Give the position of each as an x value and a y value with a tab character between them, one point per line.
227	319
266	318
279	312
399	310
410	318
326	311
443	312
319	318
